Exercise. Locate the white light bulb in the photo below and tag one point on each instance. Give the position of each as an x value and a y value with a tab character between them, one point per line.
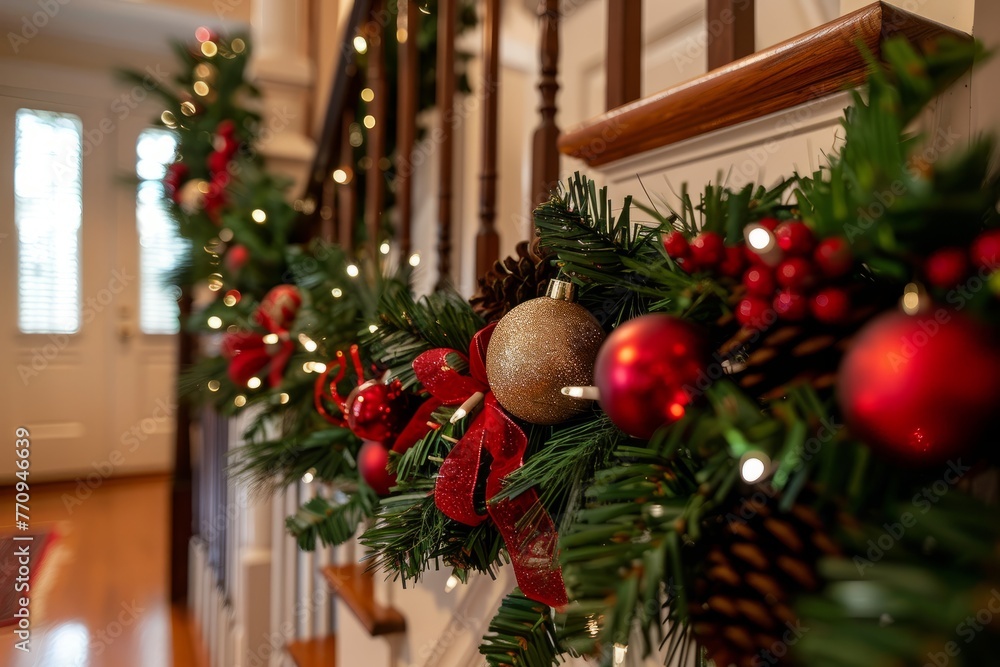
259	216
254	383
753	466
760	238
215	322
270	339
353	270
384	248
337	292
414	259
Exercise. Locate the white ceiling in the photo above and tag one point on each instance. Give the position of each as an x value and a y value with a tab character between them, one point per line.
125	24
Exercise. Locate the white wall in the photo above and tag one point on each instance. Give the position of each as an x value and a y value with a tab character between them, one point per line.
955	13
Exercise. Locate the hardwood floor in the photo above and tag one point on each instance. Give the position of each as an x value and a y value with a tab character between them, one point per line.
101	597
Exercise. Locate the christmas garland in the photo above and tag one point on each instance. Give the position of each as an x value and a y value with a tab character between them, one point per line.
750	430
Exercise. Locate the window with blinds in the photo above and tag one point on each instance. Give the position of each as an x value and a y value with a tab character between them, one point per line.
48	212
160	247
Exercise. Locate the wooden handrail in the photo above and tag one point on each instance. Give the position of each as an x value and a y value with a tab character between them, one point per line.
355	587
820	62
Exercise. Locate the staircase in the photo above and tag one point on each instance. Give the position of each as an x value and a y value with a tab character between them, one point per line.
258	600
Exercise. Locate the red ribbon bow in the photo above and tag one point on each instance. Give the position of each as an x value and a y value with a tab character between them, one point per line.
249	356
527	529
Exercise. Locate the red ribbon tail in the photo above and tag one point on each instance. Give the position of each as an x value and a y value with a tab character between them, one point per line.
417	427
527	529
455	489
533	544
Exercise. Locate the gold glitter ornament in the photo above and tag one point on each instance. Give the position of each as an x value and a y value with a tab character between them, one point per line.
540	347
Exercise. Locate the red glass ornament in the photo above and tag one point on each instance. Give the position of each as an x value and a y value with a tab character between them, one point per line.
759	281
751	312
830	305
645	371
790	305
374	410
769	223
733	263
796	273
676	245
985	251
794	237
947	267
833	257
377	411
278	308
708	250
922	388
373	458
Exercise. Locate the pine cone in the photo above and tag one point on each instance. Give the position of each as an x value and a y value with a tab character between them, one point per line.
514	280
742	608
809	352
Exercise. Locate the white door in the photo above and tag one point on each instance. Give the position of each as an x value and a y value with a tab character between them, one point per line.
94	389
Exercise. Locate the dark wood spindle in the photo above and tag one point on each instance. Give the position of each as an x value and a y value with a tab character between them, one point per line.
327	211
181	488
347	194
487	239
545	155
408	23
376	141
624	64
446	107
731	25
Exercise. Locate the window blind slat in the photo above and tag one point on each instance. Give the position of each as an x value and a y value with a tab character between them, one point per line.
48	208
160	247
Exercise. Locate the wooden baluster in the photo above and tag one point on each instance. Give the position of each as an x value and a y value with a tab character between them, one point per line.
446	107
487	239
731	31
545	155
327	211
407	29
375	178
347	193
182	488
624	65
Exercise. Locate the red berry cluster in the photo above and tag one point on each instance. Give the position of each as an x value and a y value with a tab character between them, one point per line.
803	282
947	267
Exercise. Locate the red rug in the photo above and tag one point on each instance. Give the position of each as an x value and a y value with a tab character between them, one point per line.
11	554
